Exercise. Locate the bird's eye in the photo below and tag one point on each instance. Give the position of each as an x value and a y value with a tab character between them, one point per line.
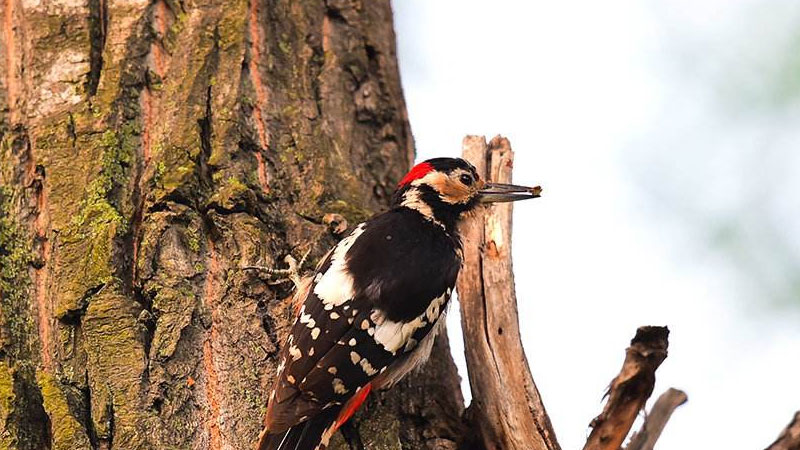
467	180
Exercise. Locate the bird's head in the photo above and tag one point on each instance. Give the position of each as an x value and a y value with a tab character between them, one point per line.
444	189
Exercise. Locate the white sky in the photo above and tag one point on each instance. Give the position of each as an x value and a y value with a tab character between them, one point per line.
614	108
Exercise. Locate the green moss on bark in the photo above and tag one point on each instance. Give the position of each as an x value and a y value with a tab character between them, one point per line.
156	337
175	307
15	256
87	245
116	366
67	432
232	195
8	438
23	423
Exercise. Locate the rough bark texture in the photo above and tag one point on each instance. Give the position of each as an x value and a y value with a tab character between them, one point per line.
630	389
507	412
656	420
148	151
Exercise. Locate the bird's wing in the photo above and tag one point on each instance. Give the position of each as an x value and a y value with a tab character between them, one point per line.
341	340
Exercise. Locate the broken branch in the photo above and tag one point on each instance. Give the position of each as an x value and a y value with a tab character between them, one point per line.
646	437
506	409
630	390
789	438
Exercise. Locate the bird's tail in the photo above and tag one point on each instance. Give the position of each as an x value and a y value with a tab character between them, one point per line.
307	435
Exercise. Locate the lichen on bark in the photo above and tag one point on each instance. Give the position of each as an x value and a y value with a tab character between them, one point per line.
159	147
15	256
22	422
68	433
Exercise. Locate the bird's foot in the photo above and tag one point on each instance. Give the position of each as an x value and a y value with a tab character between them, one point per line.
280	276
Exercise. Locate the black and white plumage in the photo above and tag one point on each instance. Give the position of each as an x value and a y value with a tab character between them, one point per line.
370	312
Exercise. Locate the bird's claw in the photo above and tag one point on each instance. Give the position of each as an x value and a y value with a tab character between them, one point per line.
280	276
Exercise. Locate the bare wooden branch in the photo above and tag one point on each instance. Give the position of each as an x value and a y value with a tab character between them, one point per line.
506	411
789	438
630	389
646	437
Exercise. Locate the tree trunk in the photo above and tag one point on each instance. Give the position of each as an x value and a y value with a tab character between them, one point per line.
148	151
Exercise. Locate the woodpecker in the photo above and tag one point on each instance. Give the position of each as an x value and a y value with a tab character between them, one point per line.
370	312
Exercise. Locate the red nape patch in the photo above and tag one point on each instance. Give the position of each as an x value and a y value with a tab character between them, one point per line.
419	171
352	405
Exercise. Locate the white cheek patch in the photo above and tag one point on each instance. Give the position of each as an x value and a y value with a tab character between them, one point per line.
335	286
412	200
394	336
431	178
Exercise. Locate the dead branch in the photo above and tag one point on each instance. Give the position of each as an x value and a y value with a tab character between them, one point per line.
630	389
789	438
646	437
506	411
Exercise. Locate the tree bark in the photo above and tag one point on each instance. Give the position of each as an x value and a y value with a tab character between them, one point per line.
149	150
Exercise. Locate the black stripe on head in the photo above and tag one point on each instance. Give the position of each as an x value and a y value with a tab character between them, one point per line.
448	165
446	213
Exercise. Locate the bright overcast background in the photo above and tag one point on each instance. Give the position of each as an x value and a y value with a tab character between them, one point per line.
666	136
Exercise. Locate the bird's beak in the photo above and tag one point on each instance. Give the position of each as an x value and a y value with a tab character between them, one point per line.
499	192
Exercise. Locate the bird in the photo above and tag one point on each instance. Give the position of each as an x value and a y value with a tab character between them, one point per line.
371	310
